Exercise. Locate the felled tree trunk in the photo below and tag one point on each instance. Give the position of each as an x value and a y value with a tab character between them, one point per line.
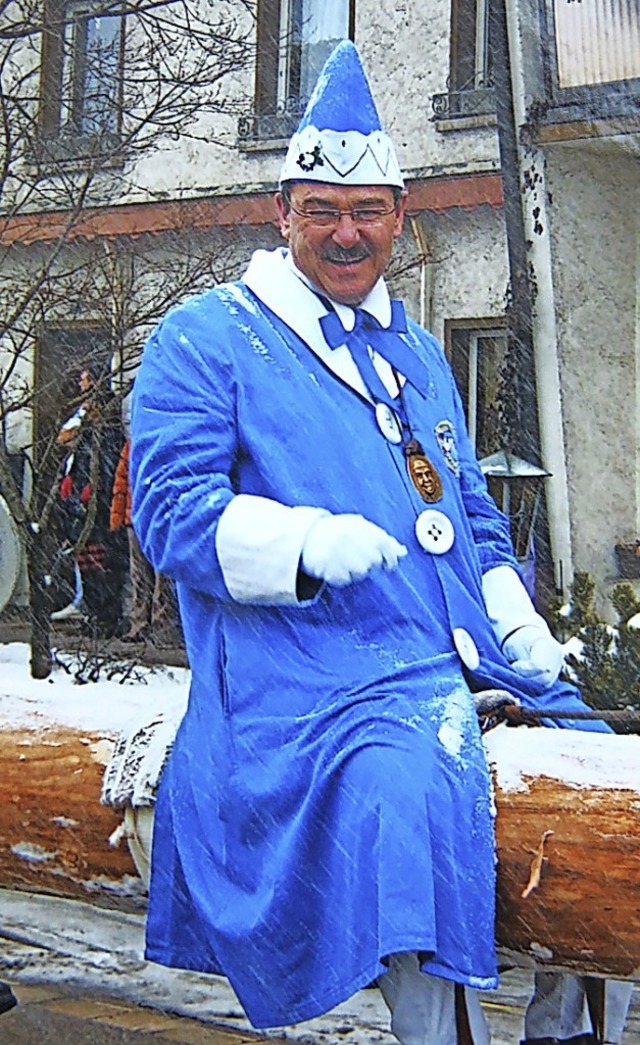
567	826
54	833
568	838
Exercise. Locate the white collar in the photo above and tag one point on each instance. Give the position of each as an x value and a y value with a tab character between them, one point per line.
377	302
274	278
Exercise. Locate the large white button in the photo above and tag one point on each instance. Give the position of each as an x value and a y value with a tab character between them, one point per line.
388	423
467	649
434	531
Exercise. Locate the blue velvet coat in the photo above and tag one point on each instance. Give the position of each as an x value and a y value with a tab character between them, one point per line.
327	801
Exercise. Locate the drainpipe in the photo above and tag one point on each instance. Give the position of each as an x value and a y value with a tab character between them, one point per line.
426	284
531	275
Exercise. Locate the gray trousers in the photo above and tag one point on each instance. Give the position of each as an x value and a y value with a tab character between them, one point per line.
422	1007
558	1008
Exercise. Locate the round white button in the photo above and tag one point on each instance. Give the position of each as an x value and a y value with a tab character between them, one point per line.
388	423
434	531
467	649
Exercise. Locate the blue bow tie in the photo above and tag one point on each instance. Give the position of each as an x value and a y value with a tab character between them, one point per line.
386	341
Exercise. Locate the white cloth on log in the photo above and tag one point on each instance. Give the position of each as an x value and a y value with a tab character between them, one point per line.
132	775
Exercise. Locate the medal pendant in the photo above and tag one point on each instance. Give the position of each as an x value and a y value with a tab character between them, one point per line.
422	473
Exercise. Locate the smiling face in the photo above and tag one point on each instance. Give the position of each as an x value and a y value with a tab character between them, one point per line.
345	260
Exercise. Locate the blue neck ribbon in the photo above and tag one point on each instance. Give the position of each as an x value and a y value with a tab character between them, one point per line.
386	341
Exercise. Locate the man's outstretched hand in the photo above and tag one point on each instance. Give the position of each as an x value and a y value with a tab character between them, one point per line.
341	549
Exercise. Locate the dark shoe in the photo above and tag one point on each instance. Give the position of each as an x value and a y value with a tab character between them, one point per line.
8	999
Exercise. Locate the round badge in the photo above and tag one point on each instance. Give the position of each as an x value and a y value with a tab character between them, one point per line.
434	531
466	648
388	423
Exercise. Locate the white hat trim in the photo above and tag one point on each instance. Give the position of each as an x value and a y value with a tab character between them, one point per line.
342	157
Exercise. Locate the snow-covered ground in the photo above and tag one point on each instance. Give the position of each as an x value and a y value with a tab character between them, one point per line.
66	699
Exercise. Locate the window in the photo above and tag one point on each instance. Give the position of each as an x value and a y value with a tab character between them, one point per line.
81	71
597	42
477	351
309	30
470	73
294	39
591	59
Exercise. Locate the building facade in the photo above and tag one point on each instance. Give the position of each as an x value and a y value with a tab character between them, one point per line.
141	167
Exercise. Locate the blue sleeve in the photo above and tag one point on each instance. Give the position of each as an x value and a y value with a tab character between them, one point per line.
183	443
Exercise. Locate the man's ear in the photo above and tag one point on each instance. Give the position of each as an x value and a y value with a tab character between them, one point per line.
284	215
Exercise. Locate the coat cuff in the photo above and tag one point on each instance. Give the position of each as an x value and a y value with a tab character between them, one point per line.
508	604
259	543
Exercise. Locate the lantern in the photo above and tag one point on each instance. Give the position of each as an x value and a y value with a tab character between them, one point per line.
516	486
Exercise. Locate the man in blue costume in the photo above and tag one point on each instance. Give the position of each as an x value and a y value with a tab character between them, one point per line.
345	584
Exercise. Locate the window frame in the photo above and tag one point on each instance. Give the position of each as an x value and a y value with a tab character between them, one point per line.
275	111
476	328
610	99
54	102
469	83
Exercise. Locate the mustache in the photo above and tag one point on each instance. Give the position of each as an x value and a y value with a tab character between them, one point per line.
345	255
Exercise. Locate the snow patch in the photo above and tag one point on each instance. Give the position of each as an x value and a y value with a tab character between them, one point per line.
577	758
33	854
105	707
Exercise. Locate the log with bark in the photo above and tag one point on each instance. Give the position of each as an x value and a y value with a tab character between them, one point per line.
567	827
568	838
54	833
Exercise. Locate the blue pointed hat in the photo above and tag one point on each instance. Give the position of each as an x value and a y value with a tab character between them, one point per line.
340	139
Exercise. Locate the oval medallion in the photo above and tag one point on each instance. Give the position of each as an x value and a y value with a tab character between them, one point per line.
422	473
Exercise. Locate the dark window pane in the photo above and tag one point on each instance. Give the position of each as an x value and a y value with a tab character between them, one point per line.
90	71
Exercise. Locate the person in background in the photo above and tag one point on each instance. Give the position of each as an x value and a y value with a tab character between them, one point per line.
152	611
94	429
346	584
66	517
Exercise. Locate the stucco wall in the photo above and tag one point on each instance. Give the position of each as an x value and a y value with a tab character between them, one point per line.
595	196
470	265
405	48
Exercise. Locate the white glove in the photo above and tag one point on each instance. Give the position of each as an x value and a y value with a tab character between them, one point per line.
533	652
340	549
522	633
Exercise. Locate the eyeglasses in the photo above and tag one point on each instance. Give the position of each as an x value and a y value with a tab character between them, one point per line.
329	217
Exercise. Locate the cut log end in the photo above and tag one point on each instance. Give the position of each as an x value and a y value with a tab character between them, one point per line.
54	834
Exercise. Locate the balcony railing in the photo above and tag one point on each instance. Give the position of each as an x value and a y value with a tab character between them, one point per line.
478	101
254	128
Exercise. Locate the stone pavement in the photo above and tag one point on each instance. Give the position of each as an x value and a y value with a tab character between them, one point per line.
52	1015
80	978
